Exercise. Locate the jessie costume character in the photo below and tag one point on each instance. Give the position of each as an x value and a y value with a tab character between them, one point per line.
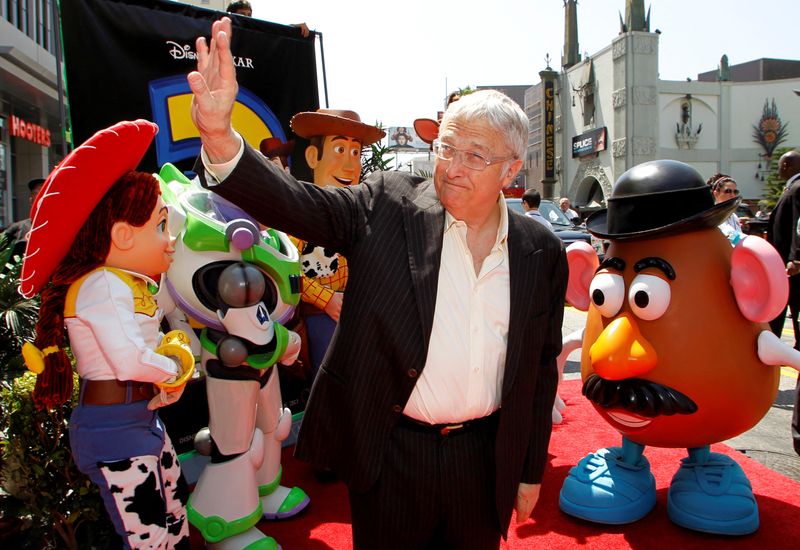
334	155
99	234
670	289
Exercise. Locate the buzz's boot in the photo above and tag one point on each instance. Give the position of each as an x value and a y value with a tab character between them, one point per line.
225	506
275	422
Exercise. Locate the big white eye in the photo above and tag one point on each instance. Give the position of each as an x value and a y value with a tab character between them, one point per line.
607	291
649	297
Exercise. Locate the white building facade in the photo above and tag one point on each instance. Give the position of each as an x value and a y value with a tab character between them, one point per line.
612	112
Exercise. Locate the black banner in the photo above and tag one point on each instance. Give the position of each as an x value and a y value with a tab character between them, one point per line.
128	59
589	143
549	130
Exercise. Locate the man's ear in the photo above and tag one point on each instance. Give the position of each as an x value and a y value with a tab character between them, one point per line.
511	173
122	236
311	156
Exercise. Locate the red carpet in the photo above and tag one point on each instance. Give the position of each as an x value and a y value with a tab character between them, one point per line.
325	523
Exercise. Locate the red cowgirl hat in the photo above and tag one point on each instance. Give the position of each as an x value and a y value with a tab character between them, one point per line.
72	190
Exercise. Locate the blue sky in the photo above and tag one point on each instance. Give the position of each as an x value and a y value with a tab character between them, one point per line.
395	61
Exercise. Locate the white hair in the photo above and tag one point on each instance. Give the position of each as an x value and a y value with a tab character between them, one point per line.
499	111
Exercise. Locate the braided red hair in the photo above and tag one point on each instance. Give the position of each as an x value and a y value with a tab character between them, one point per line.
131	199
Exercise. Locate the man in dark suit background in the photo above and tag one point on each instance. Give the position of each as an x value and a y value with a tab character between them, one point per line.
434	400
782	232
17	232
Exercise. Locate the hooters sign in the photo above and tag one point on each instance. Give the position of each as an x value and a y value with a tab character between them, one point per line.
32	132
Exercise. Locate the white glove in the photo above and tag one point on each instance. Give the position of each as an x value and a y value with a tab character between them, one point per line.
164	398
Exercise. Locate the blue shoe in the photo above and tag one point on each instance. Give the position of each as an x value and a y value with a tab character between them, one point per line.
710	493
605	488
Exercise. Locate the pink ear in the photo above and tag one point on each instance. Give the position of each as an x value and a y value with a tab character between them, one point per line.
583	262
758	278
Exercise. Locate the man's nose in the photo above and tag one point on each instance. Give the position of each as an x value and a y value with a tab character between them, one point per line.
456	164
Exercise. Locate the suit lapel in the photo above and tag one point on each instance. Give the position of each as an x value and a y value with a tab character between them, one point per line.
524	261
423	221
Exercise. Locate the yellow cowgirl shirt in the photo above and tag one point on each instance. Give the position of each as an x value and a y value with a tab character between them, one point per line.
113	325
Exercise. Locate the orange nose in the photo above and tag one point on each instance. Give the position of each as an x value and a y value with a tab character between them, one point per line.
621	351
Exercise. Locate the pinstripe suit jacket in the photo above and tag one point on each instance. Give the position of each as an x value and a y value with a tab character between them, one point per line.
390	229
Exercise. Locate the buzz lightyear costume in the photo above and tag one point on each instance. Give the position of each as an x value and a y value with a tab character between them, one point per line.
241	284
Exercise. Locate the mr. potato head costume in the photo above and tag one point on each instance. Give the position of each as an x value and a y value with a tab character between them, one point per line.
668	290
337	137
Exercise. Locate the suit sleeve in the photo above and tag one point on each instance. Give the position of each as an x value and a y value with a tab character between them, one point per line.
547	383
330	217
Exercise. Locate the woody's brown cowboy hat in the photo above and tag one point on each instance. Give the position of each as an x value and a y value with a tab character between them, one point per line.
333	122
661	197
274	147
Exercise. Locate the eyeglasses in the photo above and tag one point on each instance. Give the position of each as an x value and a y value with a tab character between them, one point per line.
730	191
470	159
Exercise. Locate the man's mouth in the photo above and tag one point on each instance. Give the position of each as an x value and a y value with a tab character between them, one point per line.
343	181
643	398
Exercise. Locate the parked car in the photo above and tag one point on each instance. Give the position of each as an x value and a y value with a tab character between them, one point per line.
751	225
563	228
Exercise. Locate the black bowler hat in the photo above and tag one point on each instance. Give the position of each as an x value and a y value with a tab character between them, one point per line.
657	198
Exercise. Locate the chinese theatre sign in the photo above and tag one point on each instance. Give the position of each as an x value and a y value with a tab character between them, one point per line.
549	131
30	131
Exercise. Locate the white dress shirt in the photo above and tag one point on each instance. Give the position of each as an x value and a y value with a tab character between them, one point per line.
463	374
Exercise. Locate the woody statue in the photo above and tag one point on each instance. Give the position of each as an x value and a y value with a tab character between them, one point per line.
334	155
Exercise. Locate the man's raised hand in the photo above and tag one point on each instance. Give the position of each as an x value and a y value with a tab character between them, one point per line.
214	90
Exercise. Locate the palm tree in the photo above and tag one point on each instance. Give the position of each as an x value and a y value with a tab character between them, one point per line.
17	314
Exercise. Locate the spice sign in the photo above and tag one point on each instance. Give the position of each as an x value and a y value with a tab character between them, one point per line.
589	143
32	132
549	131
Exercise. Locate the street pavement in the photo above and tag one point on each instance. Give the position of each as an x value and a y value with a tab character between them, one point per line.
769	442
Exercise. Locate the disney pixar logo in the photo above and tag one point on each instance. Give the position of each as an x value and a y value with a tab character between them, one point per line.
178	52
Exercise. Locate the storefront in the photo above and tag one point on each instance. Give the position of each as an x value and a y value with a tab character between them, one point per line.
30	131
27	151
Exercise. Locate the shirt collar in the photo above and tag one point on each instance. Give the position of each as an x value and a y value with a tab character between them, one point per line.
135	275
502	230
791	180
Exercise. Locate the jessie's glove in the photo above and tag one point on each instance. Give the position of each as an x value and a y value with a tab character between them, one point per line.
164	398
175	345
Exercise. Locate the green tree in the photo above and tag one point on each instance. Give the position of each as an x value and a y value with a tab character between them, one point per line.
374	159
773	186
50	504
17	314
